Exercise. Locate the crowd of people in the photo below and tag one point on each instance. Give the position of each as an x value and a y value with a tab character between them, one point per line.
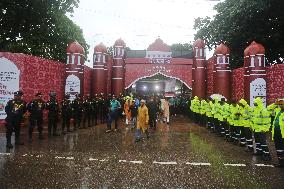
85	112
242	124
238	122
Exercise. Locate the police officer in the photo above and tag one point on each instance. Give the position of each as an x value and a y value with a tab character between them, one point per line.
77	110
153	109
277	132
53	112
261	124
88	110
15	109
66	112
35	109
95	109
101	108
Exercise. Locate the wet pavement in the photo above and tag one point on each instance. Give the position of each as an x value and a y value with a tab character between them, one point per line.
182	155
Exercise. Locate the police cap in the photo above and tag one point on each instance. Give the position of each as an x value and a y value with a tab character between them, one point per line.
18	93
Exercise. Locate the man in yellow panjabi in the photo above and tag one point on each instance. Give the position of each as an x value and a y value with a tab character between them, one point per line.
142	121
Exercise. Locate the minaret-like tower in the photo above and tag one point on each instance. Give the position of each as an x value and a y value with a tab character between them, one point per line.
255	73
118	67
74	78
222	72
199	70
100	69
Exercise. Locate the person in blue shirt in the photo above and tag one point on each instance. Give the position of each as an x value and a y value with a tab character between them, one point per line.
114	107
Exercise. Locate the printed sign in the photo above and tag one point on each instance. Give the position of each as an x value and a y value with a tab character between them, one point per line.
72	86
9	83
258	89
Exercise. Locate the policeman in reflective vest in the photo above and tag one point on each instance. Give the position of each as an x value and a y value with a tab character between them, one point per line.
234	123
209	113
246	114
203	108
53	112
278	132
226	117
15	109
261	124
36	108
195	108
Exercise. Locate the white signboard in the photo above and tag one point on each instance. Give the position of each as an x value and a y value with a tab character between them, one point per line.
258	89
72	86
9	83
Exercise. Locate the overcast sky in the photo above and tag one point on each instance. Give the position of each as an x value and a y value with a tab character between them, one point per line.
139	22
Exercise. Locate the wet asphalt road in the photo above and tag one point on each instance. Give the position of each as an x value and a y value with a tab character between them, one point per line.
182	155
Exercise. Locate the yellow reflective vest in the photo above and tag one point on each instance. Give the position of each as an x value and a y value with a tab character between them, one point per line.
281	122
261	119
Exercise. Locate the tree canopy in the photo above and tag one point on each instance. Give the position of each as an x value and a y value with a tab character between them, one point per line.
181	47
238	23
39	27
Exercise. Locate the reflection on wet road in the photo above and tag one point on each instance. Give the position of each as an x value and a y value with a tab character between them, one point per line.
182	155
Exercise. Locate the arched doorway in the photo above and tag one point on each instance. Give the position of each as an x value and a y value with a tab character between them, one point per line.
158	85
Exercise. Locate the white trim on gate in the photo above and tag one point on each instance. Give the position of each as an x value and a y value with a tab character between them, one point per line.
172	77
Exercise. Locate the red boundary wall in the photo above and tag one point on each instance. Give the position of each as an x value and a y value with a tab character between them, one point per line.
210	76
275	80
42	75
238	84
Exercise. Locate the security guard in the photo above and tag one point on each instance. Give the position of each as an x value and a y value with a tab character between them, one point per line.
246	114
95	109
66	112
234	122
53	112
15	109
101	107
261	124
203	107
88	110
278	132
209	114
35	109
195	108
222	116
77	111
215	112
226	117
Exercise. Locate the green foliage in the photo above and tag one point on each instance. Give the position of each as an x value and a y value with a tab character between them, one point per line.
39	27
238	23
181	47
110	50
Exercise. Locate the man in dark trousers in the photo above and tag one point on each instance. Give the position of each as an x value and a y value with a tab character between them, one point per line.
35	109
66	112
88	110
15	109
153	109
114	108
77	110
134	113
95	109
101	108
53	112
